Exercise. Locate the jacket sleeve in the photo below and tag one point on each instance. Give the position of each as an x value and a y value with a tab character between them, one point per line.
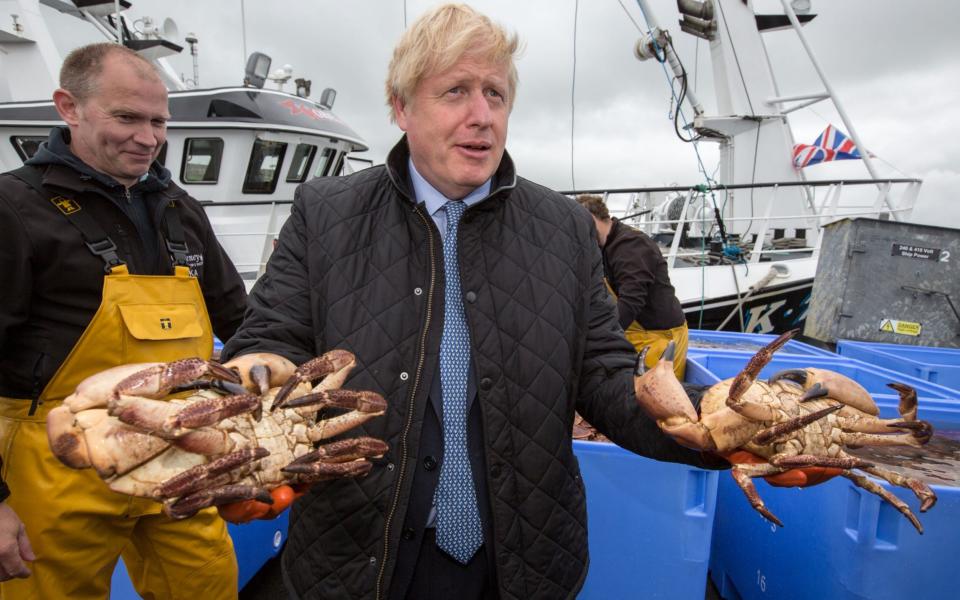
633	274
606	398
222	286
16	257
278	318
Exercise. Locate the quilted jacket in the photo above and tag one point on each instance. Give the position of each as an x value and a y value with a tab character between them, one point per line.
359	266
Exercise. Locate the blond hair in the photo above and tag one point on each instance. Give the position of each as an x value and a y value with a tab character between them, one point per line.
438	40
80	72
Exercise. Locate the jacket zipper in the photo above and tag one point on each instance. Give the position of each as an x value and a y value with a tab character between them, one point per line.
410	402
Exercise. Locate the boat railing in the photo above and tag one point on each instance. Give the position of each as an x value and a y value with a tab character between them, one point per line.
645	208
760	235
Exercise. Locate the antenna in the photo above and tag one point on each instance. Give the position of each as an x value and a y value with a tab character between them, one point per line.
192	40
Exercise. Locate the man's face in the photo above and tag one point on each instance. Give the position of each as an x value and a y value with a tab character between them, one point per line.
603	228
120	129
456	125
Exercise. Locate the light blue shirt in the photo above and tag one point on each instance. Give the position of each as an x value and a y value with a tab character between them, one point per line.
434	200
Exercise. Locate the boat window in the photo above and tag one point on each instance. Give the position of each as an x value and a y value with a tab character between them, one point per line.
300	165
326	160
264	168
27	145
201	160
338	168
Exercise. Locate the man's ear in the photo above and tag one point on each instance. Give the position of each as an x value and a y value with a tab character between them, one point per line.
400	110
67	105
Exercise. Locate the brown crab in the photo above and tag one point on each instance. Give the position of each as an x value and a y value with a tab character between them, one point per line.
234	437
797	419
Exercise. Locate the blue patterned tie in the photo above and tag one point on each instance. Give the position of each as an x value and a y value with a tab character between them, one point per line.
459	532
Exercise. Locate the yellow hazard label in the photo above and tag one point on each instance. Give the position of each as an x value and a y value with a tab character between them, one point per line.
66	205
901	327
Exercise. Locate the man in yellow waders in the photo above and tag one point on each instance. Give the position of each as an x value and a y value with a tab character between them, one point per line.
104	261
637	277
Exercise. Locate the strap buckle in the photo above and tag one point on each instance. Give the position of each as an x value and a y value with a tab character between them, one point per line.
179	252
107	251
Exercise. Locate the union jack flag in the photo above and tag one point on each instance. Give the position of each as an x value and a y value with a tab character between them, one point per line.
832	144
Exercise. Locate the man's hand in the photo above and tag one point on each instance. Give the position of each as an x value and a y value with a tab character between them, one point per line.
248	510
14	545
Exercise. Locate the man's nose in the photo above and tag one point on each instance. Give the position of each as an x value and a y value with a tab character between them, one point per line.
145	135
481	114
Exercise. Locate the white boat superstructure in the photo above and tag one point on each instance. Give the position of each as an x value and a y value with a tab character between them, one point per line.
241	151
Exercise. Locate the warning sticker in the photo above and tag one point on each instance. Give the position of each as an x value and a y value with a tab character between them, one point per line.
901	327
911	251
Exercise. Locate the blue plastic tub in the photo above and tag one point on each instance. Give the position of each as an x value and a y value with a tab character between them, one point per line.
703	340
937	365
649	525
839	541
254	543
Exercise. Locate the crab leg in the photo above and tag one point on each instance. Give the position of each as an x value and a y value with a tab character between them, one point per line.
753	410
188	506
159	380
870	486
765	436
810	460
334	366
206	475
346	458
173	419
327	428
921	490
743	475
340	452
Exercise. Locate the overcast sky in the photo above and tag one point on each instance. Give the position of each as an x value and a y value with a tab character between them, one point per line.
895	65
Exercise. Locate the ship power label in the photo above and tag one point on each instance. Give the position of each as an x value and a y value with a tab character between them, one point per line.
911	251
901	327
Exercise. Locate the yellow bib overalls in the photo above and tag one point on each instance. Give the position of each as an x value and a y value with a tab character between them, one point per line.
76	524
657	340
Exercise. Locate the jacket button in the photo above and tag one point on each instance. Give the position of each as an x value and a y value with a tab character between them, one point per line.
417	291
471	297
486	383
429	463
408	534
404	376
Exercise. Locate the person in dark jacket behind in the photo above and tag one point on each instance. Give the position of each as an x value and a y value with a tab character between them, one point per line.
104	262
637	276
473	300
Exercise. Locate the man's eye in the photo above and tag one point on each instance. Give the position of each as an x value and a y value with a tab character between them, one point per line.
494	93
125	118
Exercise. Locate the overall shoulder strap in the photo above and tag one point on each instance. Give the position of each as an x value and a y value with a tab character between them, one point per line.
96	239
175	238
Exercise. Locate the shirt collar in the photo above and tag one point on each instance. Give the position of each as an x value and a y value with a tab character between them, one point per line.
433	199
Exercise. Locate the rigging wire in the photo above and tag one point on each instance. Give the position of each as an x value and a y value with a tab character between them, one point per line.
573	93
243	33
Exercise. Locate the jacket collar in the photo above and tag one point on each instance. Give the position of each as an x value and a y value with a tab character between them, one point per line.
56	153
504	179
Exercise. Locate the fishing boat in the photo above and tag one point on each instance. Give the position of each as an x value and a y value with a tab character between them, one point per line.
742	248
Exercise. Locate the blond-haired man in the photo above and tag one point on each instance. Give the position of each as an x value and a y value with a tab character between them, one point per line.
474	302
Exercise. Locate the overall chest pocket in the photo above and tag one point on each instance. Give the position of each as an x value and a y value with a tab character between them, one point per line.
163	332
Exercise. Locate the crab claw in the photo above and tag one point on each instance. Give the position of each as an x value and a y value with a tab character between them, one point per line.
159	380
333	367
820	383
